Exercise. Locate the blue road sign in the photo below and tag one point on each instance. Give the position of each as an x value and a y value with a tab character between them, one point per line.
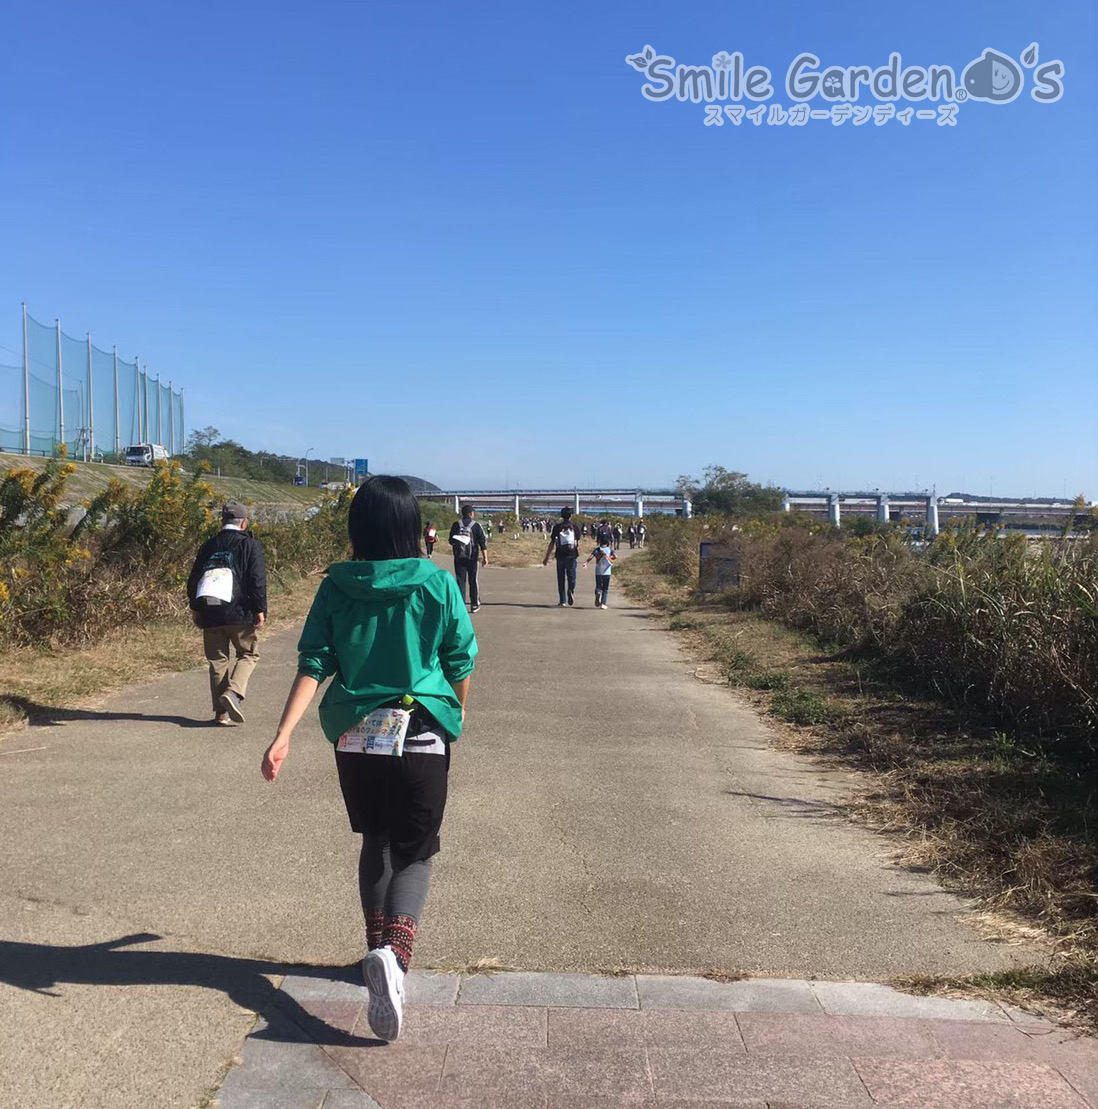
362	469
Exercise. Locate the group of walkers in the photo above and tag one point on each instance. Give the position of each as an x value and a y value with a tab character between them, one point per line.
391	632
545	525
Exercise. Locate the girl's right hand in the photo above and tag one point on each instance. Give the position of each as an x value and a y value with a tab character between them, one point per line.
274	757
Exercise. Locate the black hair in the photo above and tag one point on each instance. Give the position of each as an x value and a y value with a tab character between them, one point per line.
466	511
384	520
566	513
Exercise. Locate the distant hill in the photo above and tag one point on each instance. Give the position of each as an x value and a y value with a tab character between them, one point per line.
420	486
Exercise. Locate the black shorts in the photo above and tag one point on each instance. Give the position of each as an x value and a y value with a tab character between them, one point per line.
401	799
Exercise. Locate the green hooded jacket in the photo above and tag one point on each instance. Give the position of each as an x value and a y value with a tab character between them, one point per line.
384	629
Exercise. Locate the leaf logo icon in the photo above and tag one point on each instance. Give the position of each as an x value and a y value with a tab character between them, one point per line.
640	61
1029	58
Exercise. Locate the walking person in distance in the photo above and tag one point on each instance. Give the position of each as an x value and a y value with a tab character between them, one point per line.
470	547
604	566
564	540
227	594
391	631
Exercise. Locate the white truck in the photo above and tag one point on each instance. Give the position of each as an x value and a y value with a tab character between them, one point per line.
145	454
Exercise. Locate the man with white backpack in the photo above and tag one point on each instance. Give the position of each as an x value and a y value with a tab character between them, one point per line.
470	547
565	539
227	592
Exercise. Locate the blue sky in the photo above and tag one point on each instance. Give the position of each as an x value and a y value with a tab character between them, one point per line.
455	238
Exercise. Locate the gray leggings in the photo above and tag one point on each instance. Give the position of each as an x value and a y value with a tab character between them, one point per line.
396	887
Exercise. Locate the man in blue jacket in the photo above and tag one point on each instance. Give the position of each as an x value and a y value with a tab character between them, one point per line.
227	592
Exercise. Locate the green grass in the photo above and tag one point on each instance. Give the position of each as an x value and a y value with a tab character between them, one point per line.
770	679
800	706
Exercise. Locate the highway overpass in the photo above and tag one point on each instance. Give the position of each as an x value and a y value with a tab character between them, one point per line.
613	502
911	507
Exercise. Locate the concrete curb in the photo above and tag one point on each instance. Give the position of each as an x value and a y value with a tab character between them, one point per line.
658	991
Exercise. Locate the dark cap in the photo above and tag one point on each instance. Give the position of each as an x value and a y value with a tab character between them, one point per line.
232	512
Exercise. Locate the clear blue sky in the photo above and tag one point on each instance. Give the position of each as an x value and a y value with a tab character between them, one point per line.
455	238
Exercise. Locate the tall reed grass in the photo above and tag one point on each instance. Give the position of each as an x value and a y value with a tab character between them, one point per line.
1002	626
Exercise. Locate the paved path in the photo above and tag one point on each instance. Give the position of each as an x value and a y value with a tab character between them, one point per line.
577	1041
608	811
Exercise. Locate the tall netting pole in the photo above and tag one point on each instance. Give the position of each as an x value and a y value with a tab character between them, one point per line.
145	391
159	426
91	404
171	421
182	422
60	385
117	430
135	419
26	387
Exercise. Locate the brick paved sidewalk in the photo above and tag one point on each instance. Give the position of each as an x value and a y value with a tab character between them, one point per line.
577	1041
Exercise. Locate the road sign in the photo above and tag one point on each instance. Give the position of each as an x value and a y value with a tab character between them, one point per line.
362	469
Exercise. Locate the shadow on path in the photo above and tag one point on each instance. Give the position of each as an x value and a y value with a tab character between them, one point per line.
39	716
513	604
794	806
39	968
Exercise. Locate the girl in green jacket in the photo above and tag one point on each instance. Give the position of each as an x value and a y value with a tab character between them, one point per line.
391	630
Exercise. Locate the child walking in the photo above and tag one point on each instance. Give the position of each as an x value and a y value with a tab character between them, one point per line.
390	628
604	563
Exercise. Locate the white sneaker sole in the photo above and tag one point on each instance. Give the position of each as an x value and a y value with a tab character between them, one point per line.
385	1018
232	709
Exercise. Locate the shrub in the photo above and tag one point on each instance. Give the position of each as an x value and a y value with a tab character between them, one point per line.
68	575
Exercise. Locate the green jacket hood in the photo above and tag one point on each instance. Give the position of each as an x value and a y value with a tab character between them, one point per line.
385	581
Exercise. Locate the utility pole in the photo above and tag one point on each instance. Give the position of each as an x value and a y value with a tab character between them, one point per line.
26	387
60	386
117	433
91	403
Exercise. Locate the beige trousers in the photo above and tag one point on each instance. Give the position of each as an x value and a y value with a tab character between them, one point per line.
225	673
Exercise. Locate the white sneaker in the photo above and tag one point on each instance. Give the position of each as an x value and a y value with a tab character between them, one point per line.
385	981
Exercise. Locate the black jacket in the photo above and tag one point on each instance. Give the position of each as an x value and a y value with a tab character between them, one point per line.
472	551
251	580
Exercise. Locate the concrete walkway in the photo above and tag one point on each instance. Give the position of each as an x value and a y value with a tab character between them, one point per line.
608	813
577	1041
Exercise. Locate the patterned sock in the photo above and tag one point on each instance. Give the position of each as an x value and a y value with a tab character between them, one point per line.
400	934
375	928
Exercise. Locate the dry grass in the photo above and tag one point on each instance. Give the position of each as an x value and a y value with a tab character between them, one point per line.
34	684
489	964
507	551
978	808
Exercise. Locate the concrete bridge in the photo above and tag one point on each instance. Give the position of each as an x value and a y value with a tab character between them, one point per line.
615	502
928	508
